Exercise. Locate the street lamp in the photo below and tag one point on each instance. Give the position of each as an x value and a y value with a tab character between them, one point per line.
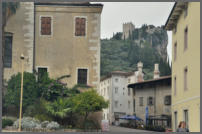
21	92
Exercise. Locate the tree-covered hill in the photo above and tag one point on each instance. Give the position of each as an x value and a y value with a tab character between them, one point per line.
147	44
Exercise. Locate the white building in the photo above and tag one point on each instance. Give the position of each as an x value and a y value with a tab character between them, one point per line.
113	88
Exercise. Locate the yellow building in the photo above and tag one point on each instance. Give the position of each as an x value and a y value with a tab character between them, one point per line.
184	22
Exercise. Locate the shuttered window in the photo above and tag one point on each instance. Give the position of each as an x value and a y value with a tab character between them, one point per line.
82	76
45	25
80	26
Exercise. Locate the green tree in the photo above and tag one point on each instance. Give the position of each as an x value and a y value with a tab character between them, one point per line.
88	102
30	92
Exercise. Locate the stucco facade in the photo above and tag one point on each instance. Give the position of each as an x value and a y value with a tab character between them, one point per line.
156	89
62	53
186	100
114	89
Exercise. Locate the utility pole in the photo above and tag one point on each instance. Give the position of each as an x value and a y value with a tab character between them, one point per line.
21	92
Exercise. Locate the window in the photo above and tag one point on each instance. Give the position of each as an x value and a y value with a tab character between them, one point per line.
175	28
116	104
150	101
185	38
186	119
185	78
167	100
104	91
176	123
80	26
116	90
104	116
42	72
186	11
175	85
141	101
45	25
175	51
128	91
82	76
108	90
116	79
8	51
134	105
107	116
128	104
128	80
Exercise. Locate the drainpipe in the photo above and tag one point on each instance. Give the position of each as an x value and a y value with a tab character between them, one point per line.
33	69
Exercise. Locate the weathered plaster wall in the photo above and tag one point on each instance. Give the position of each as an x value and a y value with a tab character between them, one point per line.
63	53
22	26
159	107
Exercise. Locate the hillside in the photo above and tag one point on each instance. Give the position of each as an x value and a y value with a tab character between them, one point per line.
147	44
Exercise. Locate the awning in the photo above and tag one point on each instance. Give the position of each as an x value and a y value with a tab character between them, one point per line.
131	117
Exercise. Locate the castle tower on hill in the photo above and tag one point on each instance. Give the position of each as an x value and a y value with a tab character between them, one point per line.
127	30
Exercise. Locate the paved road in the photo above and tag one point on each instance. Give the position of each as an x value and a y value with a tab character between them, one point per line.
123	129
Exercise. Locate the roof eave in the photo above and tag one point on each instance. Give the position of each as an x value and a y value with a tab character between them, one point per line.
174	15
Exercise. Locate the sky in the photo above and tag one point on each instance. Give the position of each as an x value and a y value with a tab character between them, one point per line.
114	14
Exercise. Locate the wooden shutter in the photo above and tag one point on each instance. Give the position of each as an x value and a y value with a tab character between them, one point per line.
45	25
80	26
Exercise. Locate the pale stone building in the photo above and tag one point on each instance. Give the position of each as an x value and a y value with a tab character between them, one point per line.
127	30
155	95
61	38
113	88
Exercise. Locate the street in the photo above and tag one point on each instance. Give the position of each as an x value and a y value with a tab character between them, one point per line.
123	129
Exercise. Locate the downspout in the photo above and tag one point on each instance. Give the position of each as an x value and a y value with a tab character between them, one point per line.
33	69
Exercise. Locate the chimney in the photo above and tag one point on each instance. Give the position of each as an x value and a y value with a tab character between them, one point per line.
140	74
139	66
156	71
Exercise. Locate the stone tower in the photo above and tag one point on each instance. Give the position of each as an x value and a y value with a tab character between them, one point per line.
127	30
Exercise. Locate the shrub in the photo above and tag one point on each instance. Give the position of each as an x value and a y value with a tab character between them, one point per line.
155	128
27	122
53	125
6	122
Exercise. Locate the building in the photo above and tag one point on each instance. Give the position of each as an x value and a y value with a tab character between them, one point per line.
113	88
154	95
61	38
184	22
127	30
